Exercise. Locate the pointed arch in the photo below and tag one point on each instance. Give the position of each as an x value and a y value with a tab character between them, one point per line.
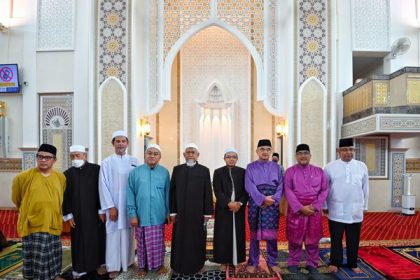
165	81
112	113
312	118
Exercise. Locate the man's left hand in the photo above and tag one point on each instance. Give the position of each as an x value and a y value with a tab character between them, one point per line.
102	217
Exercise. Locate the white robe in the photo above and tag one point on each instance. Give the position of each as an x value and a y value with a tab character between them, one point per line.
349	191
113	182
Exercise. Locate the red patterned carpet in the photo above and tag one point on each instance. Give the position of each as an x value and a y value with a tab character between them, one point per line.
376	226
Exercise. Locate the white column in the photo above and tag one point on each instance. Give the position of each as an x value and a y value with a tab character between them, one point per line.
30	107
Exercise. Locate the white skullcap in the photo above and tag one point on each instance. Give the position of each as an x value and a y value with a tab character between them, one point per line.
119	133
77	148
156	146
191	145
231	150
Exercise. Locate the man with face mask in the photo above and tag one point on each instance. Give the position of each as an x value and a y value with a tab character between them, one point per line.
113	181
191	206
81	208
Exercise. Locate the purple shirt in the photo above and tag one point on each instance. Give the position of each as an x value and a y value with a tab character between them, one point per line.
263	173
305	181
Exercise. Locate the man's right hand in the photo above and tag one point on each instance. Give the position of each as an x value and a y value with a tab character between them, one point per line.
113	214
234	206
307	210
134	222
268	201
72	223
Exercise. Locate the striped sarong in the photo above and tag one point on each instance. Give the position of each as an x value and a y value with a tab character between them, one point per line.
41	256
150	247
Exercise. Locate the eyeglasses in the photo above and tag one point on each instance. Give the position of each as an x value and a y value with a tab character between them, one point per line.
303	153
46	158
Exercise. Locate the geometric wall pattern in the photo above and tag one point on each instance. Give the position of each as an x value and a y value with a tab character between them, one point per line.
180	16
55	24
113	39
56	113
312	29
370	25
397	180
373	151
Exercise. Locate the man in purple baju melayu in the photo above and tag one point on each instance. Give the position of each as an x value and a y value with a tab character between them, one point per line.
264	183
306	188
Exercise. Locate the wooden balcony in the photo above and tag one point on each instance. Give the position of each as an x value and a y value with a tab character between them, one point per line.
383	104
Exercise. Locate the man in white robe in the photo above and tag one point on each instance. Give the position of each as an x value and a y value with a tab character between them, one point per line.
347	200
113	181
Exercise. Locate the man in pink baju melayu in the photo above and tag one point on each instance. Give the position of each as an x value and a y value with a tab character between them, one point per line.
306	188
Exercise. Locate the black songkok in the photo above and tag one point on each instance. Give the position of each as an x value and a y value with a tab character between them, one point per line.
347	142
48	148
276	155
302	147
264	142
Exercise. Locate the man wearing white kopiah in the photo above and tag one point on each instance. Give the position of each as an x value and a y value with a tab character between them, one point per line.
113	181
346	201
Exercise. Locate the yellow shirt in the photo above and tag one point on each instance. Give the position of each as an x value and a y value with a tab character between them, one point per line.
39	201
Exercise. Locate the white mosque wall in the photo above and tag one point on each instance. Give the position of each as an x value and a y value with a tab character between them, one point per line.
55	72
6	179
404	23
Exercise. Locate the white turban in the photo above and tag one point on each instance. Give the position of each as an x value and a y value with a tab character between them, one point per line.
191	145
231	150
77	148
119	133
156	146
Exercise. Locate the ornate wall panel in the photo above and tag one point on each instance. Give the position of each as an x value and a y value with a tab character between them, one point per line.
56	112
413	165
10	164
153	54
55	24
247	17
113	40
29	159
112	113
413	91
180	16
397	179
374	152
370	25
381	93
400	123
359	127
312	122
312	40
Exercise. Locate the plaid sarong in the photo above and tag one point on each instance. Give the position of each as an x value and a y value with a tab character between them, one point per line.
41	256
150	246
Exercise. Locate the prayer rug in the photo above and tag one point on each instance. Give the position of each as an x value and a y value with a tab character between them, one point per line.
11	258
344	273
262	272
411	253
66	264
389	263
303	272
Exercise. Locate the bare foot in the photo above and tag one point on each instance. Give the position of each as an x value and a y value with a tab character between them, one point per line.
276	269
250	269
114	274
141	273
356	270
222	267
162	270
101	270
332	269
